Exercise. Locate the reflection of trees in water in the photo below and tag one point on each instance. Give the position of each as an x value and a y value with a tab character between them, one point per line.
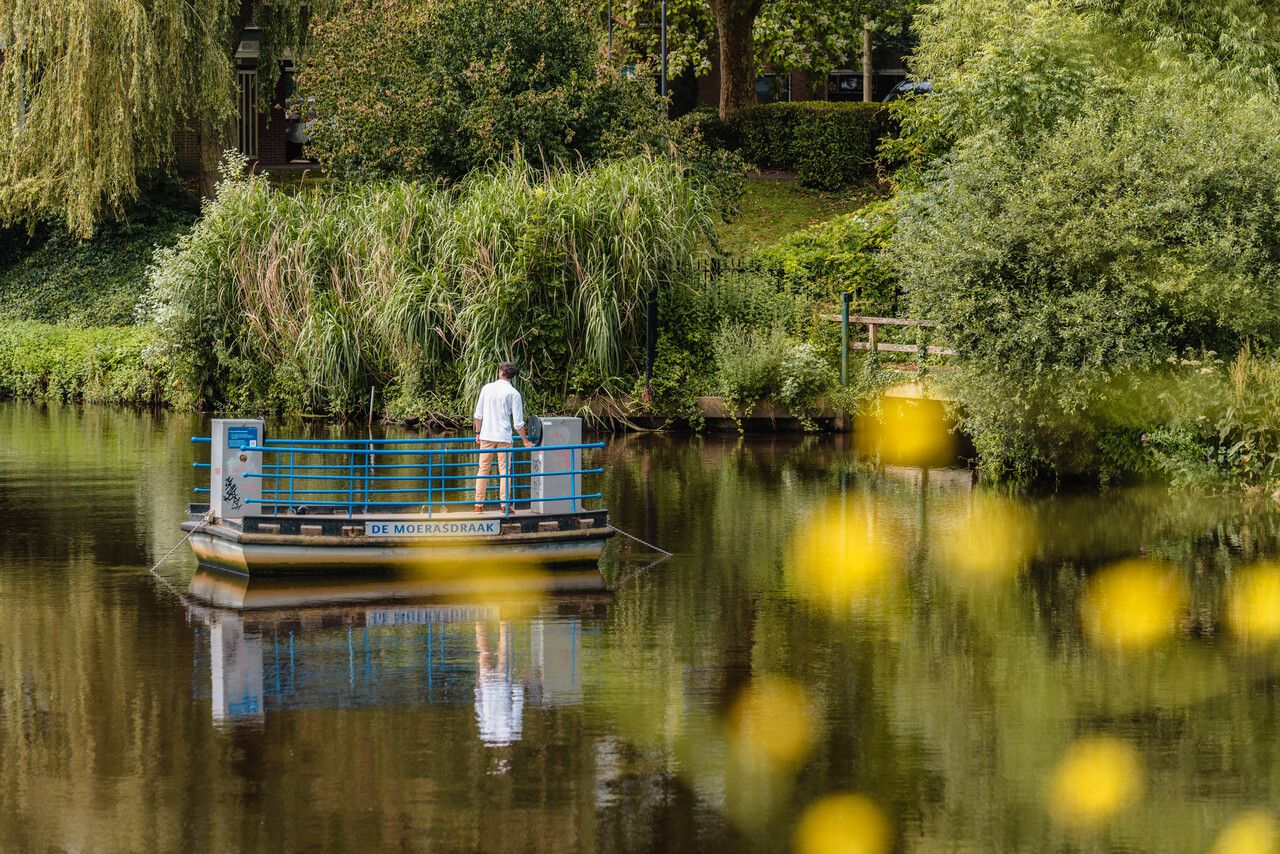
949	705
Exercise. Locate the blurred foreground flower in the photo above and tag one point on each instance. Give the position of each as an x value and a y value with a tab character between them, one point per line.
1133	604
839	557
773	720
1252	832
1096	778
907	433
484	579
1253	603
842	824
991	539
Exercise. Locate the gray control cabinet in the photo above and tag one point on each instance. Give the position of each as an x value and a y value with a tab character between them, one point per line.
229	490
550	492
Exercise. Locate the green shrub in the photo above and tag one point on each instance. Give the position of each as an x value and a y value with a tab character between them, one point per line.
436	89
830	146
1221	423
754	365
1053	302
706	123
303	301
95	365
845	253
759	301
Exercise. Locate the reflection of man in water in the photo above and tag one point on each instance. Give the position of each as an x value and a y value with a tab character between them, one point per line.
499	701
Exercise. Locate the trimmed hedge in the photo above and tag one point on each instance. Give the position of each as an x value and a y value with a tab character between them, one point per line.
705	121
829	145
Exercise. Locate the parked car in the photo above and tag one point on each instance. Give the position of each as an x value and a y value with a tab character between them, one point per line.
909	87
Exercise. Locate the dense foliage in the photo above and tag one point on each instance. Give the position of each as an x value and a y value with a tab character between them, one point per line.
92	95
845	253
101	365
436	89
829	145
305	301
1097	201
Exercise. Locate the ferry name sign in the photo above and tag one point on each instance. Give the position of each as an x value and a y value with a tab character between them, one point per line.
433	528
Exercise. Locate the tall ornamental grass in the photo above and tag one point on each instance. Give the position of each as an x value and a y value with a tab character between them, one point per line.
305	301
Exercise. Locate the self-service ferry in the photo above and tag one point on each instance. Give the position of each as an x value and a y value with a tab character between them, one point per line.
322	507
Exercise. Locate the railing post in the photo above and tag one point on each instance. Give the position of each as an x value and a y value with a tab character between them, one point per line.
871	340
351	485
650	335
290	482
367	457
844	338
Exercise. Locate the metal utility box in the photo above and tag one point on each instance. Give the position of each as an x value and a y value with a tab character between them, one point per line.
550	493
229	490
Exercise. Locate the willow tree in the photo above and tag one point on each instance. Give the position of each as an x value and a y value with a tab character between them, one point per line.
92	94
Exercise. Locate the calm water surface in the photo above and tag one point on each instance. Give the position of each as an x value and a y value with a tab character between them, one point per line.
133	719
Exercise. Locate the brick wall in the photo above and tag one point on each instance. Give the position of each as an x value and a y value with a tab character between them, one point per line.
271	128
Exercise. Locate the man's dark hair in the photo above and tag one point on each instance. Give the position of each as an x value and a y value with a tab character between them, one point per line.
508	370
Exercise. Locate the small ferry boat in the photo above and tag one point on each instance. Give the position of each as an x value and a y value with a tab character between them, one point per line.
404	506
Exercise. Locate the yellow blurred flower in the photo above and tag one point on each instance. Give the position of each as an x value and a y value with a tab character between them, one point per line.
772	720
908	432
1253	603
1252	832
837	558
1133	604
1096	778
842	824
990	540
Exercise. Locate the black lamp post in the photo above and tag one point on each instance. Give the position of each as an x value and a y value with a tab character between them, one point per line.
662	85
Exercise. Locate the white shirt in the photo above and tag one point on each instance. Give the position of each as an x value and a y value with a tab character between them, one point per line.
500	410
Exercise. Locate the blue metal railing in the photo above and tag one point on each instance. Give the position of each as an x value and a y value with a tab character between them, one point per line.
367	475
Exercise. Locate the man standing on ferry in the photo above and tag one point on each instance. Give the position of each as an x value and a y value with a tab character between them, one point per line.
499	411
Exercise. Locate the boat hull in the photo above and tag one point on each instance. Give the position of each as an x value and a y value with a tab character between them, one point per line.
342	545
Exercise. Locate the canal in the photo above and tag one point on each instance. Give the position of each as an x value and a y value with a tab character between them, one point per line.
901	658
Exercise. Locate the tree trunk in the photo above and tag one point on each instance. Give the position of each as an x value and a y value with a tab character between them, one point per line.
211	143
735	20
214	137
868	73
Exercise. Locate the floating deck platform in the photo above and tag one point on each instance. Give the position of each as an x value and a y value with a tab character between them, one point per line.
325	507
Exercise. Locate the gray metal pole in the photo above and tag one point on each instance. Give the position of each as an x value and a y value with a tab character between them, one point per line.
663	86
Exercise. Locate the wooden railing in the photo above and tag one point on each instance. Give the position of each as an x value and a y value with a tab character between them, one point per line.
873	343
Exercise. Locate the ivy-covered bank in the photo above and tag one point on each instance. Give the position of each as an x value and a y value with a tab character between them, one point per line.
106	364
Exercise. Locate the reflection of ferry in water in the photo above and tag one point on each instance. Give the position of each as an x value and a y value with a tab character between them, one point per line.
500	658
327	506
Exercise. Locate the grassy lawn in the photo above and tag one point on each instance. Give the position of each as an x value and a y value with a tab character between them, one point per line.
772	208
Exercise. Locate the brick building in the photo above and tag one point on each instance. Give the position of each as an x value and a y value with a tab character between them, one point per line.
843	84
260	135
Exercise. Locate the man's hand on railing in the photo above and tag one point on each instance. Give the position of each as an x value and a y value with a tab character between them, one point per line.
527	443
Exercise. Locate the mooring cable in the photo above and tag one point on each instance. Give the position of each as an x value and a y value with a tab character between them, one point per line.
642	542
204	520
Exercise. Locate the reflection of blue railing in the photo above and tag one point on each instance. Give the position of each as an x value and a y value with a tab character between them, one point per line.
361	475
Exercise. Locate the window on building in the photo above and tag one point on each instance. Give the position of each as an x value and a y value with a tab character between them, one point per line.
247	118
773	87
844	85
